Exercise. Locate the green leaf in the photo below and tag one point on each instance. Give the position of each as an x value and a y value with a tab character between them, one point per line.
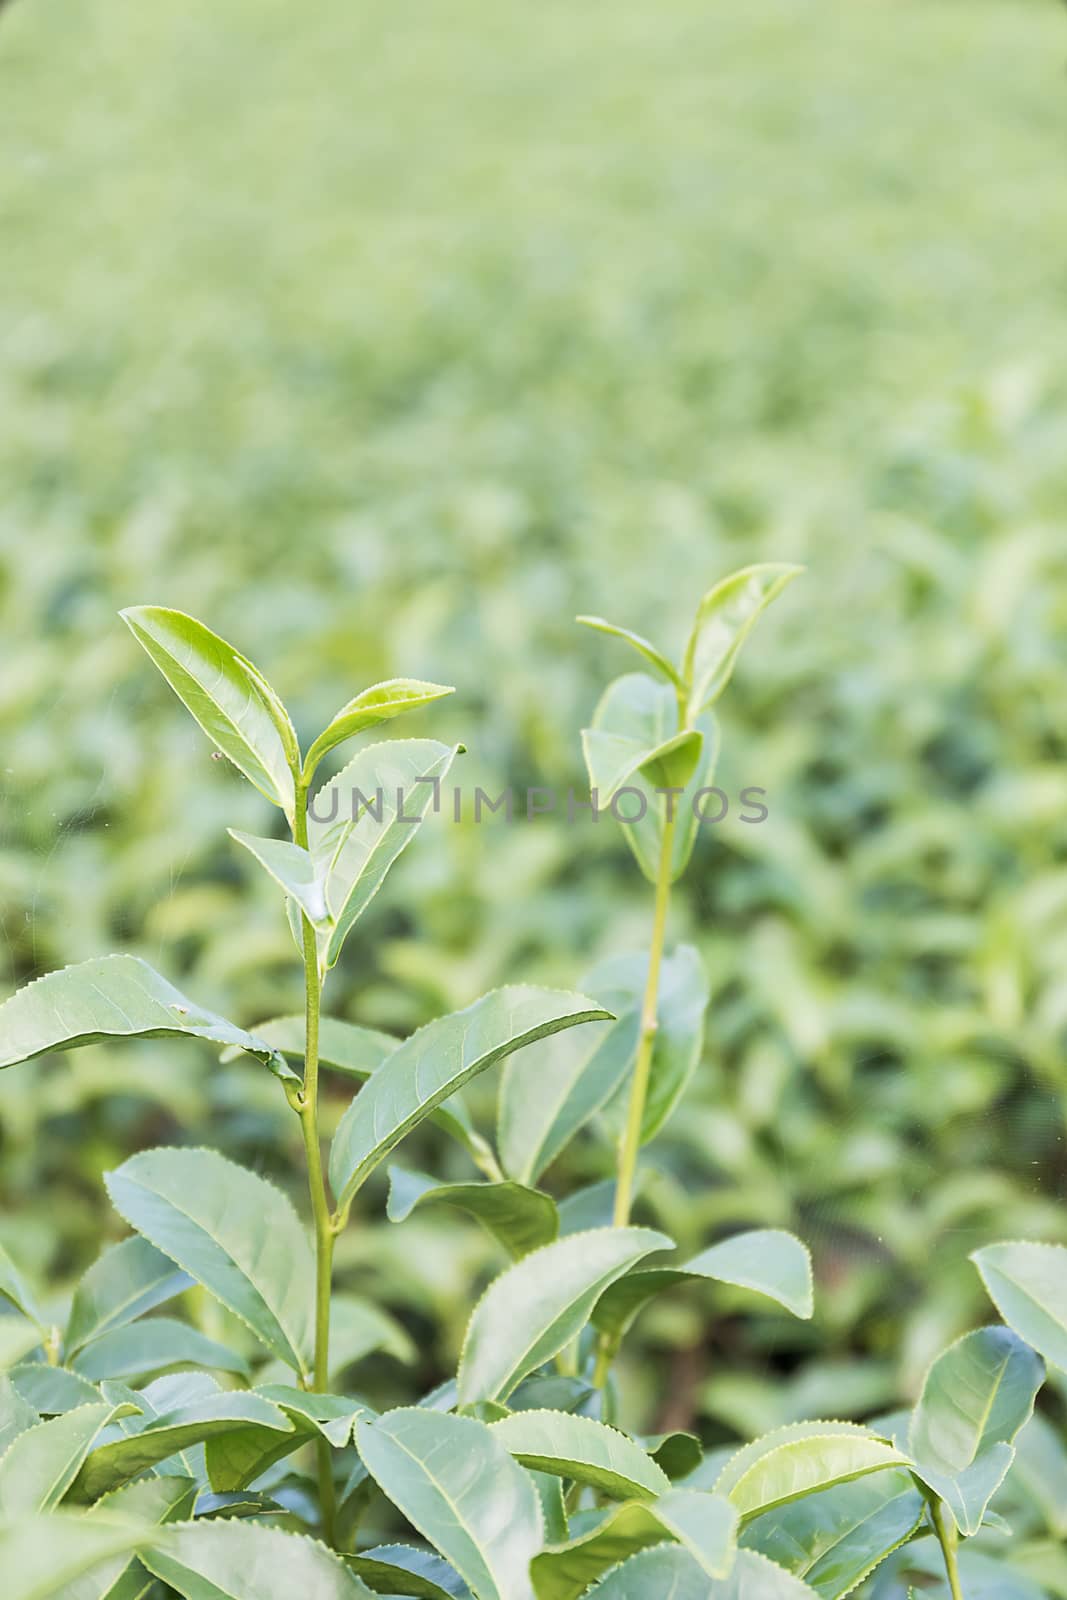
14	1287
1041	1467
533	1309
124	1282
542	1106
388	788
677	1454
394	1569
229	697
16	1413
977	1395
799	1460
51	1390
358	1327
455	1483
637	713
521	1219
42	1462
238	1457
40	1555
245	1561
436	1061
681	1004
110	997
149	1346
613	759
356	1052
233	1232
833	1540
371	707
1027	1283
293	869
642	645
704	1526
725	618
199	1413
767	1260
579	1448
670	1571
147	1501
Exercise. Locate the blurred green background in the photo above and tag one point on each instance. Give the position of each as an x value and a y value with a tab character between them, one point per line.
386	340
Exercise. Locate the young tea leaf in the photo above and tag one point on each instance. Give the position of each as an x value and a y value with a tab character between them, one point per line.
703	1527
293	869
642	645
371	707
798	1461
224	693
725	617
588	1452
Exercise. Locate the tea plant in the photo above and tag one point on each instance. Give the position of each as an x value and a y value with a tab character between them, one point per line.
137	1452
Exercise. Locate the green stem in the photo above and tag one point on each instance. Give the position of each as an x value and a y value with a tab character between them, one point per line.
308	1106
948	1538
630	1143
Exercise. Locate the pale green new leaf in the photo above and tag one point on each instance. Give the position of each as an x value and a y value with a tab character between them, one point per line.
109	997
124	1282
703	1526
293	869
977	1395
436	1061
642	645
144	1347
41	1463
834	1539
400	1569
769	1261
457	1484
41	1555
373	706
533	1309
227	695
545	1100
1027	1283
801	1459
522	1219
577	1447
681	1004
635	713
234	1560
201	1412
725	617
233	1232
388	789
670	1573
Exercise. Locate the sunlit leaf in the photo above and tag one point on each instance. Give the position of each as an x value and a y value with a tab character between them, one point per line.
725	617
369	708
703	1525
293	869
642	645
588	1452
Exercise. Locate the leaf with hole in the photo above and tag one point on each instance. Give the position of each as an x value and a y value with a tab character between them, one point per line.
233	1232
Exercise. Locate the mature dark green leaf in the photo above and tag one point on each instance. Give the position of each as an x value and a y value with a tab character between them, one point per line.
124	1282
767	1260
676	1454
704	1526
1027	1283
834	1539
436	1061
371	707
576	1447
977	1395
522	1219
229	697
459	1487
388	789
110	997
199	1412
293	869
42	1462
637	713
725	617
149	1346
642	645
233	1232
681	1004
671	1571
542	1107
40	1555
238	1457
801	1459
395	1569
532	1310
245	1561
